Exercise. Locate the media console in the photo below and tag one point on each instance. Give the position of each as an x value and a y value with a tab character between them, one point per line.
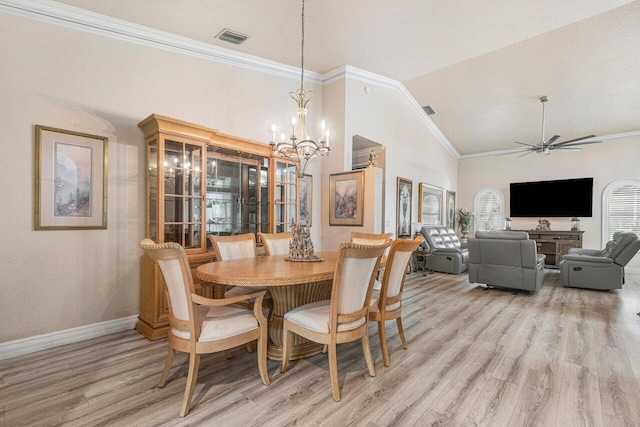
555	244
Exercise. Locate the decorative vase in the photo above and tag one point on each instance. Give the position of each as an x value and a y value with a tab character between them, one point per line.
464	229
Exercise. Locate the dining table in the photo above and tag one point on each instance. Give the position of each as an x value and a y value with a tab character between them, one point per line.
291	284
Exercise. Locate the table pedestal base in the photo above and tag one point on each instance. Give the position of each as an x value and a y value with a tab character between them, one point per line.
285	299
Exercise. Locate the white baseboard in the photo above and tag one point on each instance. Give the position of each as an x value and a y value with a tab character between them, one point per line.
67	336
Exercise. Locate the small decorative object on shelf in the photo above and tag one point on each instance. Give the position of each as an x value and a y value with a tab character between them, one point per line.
507	224
373	159
465	218
543	224
300	244
575	224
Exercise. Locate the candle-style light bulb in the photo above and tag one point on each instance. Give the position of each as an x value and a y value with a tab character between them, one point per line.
273	131
327	143
323	125
282	137
293	125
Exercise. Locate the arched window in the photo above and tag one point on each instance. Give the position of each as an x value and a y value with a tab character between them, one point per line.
489	209
621	208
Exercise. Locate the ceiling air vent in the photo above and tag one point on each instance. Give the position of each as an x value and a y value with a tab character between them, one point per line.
429	110
231	36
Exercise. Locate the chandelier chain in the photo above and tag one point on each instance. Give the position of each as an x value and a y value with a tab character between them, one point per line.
302	56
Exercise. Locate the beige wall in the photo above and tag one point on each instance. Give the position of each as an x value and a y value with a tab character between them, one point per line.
54	76
605	162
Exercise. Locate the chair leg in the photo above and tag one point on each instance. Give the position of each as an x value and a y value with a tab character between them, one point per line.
262	358
249	347
333	371
367	355
167	367
324	349
194	364
382	333
227	354
287	338
401	333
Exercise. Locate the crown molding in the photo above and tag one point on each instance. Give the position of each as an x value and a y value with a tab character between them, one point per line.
80	19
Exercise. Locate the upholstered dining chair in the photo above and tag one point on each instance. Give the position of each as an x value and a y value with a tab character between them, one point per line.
199	325
370	238
343	318
387	303
236	247
275	243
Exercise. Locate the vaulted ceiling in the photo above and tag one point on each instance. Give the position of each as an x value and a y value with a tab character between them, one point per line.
482	65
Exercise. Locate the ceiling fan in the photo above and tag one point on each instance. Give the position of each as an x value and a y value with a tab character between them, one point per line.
545	146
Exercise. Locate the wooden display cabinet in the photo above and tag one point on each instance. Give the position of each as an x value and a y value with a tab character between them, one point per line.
199	181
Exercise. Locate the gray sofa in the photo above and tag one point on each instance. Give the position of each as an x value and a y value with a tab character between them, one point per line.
505	259
446	253
599	269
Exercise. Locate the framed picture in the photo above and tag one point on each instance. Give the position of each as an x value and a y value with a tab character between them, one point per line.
346	198
430	208
451	209
403	207
305	195
71	180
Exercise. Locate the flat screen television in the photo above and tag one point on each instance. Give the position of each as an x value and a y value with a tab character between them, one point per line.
560	198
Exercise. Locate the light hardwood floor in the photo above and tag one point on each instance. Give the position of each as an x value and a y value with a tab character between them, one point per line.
562	357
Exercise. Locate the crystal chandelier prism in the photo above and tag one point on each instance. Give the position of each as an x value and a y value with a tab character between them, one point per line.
300	148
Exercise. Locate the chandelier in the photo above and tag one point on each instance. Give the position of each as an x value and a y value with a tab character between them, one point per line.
300	148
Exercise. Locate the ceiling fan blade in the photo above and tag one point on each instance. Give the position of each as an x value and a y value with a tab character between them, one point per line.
528	152
574	140
553	138
577	143
522	143
568	149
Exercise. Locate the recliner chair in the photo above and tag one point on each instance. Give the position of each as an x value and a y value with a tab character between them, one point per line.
600	269
505	259
446	253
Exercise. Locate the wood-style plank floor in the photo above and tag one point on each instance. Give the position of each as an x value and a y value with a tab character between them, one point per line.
561	357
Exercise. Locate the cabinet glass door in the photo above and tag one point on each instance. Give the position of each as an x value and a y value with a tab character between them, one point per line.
286	196
183	177
234	195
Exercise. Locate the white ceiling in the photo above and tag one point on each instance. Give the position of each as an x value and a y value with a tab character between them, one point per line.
482	64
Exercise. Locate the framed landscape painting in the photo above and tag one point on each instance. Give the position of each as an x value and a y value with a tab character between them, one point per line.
451	209
346	198
71	180
403	207
430	208
305	194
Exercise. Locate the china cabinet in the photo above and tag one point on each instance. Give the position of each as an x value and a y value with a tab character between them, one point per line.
201	181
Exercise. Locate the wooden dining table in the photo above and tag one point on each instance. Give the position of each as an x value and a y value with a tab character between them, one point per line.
290	283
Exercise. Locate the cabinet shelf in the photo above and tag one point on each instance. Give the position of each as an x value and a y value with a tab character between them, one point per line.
555	244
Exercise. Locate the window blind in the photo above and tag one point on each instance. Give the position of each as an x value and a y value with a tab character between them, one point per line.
624	209
489	210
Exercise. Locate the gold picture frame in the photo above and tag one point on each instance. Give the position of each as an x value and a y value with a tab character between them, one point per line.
305	197
346	198
430	208
404	200
70	180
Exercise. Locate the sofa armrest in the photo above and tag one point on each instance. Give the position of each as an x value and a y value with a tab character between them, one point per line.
588	258
582	251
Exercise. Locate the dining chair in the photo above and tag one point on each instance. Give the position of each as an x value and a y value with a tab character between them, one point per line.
386	304
236	247
275	243
343	318
370	238
200	325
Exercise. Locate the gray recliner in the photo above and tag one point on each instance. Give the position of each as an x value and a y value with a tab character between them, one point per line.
600	269
446	253
505	259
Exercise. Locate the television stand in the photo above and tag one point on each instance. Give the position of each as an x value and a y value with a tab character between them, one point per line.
555	244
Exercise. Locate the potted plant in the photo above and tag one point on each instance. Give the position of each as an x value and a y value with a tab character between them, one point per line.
465	218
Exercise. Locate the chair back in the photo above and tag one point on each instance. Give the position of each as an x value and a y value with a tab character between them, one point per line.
275	243
370	239
176	272
353	279
234	247
626	245
395	270
438	237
